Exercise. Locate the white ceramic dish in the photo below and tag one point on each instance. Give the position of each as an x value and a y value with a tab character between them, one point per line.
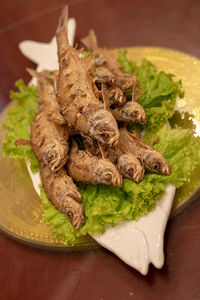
137	243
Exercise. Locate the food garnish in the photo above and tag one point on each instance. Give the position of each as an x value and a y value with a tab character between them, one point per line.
94	97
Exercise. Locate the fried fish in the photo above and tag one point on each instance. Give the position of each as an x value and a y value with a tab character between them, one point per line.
152	160
48	135
104	58
87	168
127	164
63	194
79	106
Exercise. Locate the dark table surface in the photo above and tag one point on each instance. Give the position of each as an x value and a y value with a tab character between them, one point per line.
27	273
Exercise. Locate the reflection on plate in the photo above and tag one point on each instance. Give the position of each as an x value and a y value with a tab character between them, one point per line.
20	213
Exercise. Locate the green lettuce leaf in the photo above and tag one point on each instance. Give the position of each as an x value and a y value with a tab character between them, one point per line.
19	118
106	205
181	149
158	90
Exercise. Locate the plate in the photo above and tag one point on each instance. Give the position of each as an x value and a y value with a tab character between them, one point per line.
20	213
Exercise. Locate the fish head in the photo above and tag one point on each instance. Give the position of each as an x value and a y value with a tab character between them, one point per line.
125	81
155	162
103	128
103	75
74	211
116	96
106	173
134	112
55	155
130	167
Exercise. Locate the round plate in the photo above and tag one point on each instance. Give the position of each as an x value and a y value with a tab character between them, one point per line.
20	213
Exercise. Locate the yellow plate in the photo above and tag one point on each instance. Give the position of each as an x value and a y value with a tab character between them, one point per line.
20	213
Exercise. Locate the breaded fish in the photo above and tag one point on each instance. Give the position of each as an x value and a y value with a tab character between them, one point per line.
131	112
63	194
81	109
152	160
104	81
87	168
47	94
48	136
104	58
127	164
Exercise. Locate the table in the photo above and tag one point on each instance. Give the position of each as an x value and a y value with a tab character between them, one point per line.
28	273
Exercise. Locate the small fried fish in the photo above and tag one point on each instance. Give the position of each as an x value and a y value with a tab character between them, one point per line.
48	135
152	160
87	168
63	194
131	112
127	164
81	109
47	94
104	58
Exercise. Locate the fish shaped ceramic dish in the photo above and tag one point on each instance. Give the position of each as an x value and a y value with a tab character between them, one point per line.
137	243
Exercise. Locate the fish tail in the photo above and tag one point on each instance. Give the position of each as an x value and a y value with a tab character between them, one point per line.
62	28
63	20
90	41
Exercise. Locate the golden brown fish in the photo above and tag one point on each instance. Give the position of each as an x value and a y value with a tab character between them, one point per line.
131	112
102	75
47	94
127	164
63	194
152	160
104	58
87	168
79	106
115	96
104	82
48	137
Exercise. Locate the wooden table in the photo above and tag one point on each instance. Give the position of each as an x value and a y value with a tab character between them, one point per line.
27	273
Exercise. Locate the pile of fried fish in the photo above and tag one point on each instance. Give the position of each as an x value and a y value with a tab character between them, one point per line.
86	97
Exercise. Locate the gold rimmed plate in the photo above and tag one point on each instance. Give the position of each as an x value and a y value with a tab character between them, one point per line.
20	212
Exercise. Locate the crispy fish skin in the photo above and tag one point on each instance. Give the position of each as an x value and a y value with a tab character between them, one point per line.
115	96
152	160
63	194
47	95
49	140
103	58
94	147
79	106
104	82
127	164
126	82
131	112
102	75
87	168
48	136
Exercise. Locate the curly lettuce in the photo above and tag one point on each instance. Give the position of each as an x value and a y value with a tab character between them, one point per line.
158	90
19	118
107	205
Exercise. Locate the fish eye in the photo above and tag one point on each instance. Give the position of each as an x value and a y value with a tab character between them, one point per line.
104	135
156	167
70	214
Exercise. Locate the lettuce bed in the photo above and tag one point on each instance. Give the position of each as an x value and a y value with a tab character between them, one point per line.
105	204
